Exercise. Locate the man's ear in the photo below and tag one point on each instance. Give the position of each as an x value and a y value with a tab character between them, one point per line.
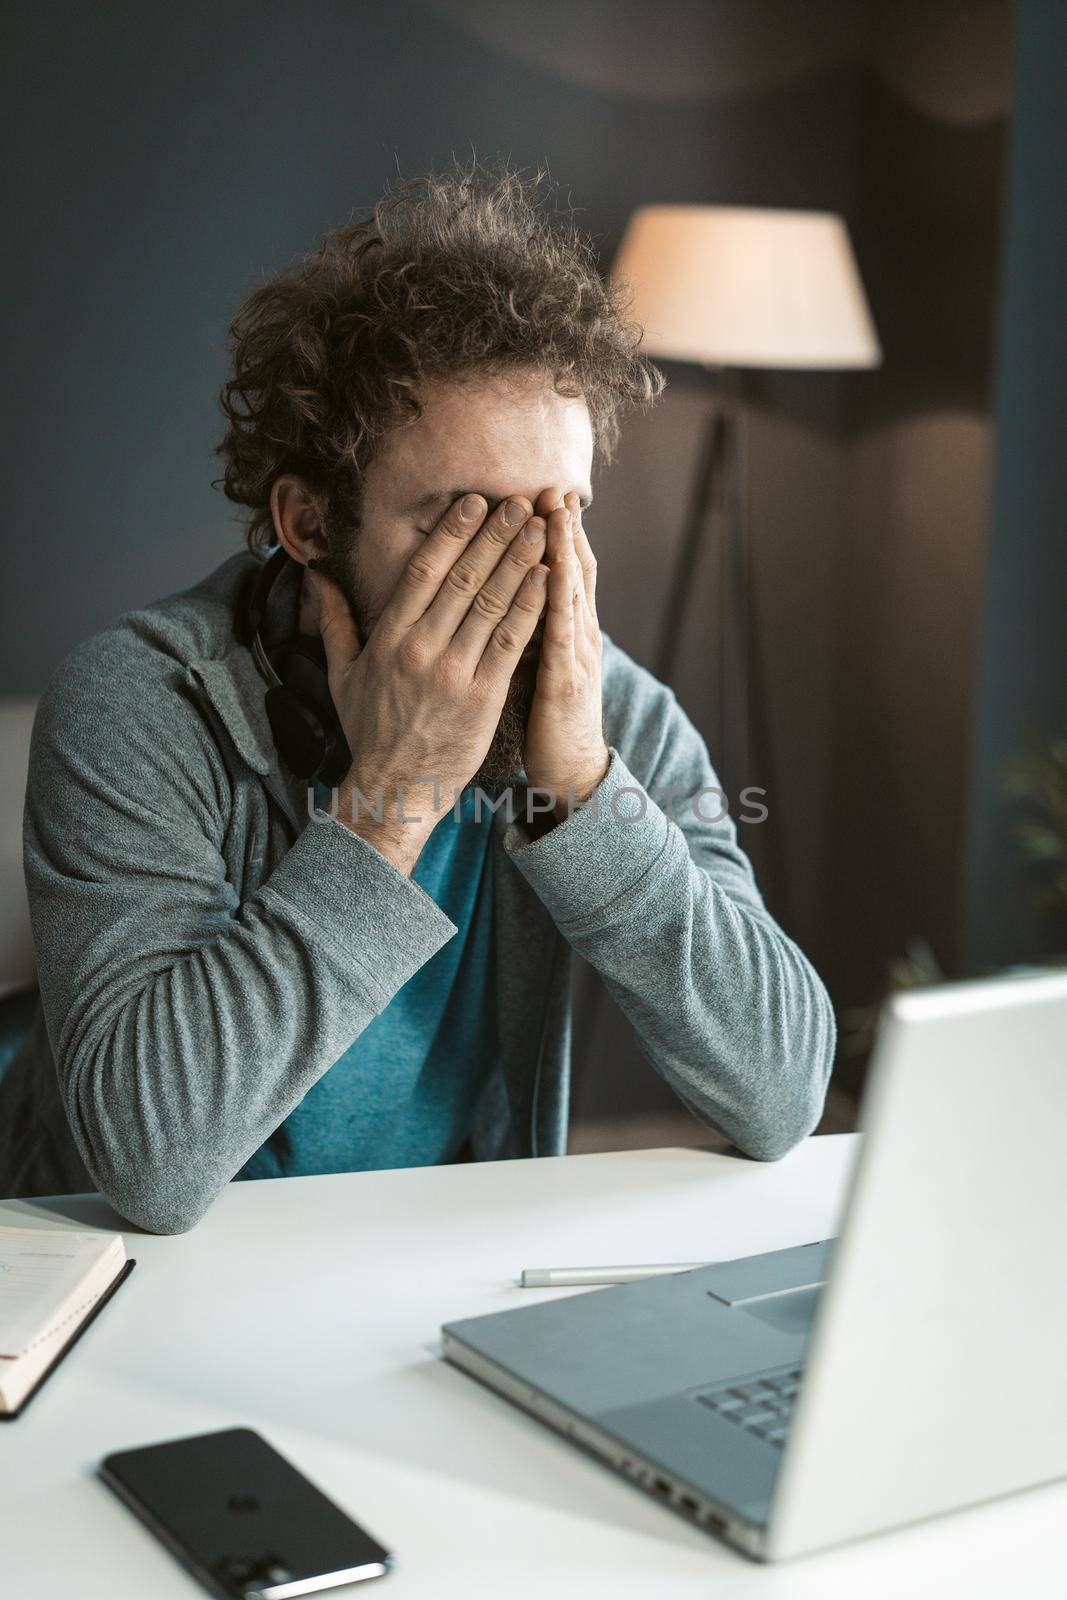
297	515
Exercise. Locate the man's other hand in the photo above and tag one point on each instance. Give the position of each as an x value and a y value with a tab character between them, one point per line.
565	748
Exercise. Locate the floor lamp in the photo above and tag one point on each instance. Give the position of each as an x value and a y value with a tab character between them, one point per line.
734	287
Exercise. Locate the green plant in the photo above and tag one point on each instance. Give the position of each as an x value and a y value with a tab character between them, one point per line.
916	967
1037	782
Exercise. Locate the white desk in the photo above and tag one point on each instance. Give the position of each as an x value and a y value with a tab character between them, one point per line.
309	1309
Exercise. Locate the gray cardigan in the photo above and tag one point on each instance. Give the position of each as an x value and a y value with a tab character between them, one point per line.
206	950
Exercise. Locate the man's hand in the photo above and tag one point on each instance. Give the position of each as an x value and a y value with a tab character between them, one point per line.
565	748
422	698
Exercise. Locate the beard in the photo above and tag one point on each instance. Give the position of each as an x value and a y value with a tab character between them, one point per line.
504	760
506	755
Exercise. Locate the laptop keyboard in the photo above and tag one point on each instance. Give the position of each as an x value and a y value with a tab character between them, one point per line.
761	1403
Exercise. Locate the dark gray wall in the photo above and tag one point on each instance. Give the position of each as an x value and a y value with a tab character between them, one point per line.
166	157
1022	694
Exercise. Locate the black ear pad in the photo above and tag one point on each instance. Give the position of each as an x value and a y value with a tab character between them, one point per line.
298	734
301	713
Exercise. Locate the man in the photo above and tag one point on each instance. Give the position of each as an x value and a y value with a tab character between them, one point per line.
236	982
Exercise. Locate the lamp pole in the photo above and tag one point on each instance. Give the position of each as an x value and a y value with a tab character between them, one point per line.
717	520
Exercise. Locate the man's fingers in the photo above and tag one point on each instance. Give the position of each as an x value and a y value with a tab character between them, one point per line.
557	648
340	636
465	579
493	599
513	633
421	578
583	551
547	501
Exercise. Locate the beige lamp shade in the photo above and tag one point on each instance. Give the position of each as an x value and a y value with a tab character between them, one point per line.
737	286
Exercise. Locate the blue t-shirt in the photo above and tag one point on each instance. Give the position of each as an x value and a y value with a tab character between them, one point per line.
403	1092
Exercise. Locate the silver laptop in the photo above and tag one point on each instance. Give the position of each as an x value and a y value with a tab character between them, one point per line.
914	1365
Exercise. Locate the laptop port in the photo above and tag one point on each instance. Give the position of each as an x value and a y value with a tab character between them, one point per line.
661	1486
688	1503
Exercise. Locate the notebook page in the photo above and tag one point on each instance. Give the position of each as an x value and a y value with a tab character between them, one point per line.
40	1274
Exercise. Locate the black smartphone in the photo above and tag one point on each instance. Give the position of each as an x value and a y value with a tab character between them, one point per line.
241	1518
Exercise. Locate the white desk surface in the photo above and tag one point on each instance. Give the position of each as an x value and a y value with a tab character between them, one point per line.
309	1309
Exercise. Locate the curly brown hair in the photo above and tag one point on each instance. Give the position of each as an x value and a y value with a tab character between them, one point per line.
454	274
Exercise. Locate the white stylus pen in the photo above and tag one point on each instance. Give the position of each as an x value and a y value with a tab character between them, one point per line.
568	1277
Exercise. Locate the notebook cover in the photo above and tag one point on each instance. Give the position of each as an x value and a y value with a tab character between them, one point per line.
10	1416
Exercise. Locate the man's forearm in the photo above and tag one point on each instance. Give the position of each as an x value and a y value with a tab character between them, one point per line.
174	1079
724	1004
385	823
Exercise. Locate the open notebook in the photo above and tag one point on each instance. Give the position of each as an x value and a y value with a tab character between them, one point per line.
52	1283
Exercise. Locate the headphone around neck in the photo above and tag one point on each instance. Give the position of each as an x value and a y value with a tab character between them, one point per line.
300	710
